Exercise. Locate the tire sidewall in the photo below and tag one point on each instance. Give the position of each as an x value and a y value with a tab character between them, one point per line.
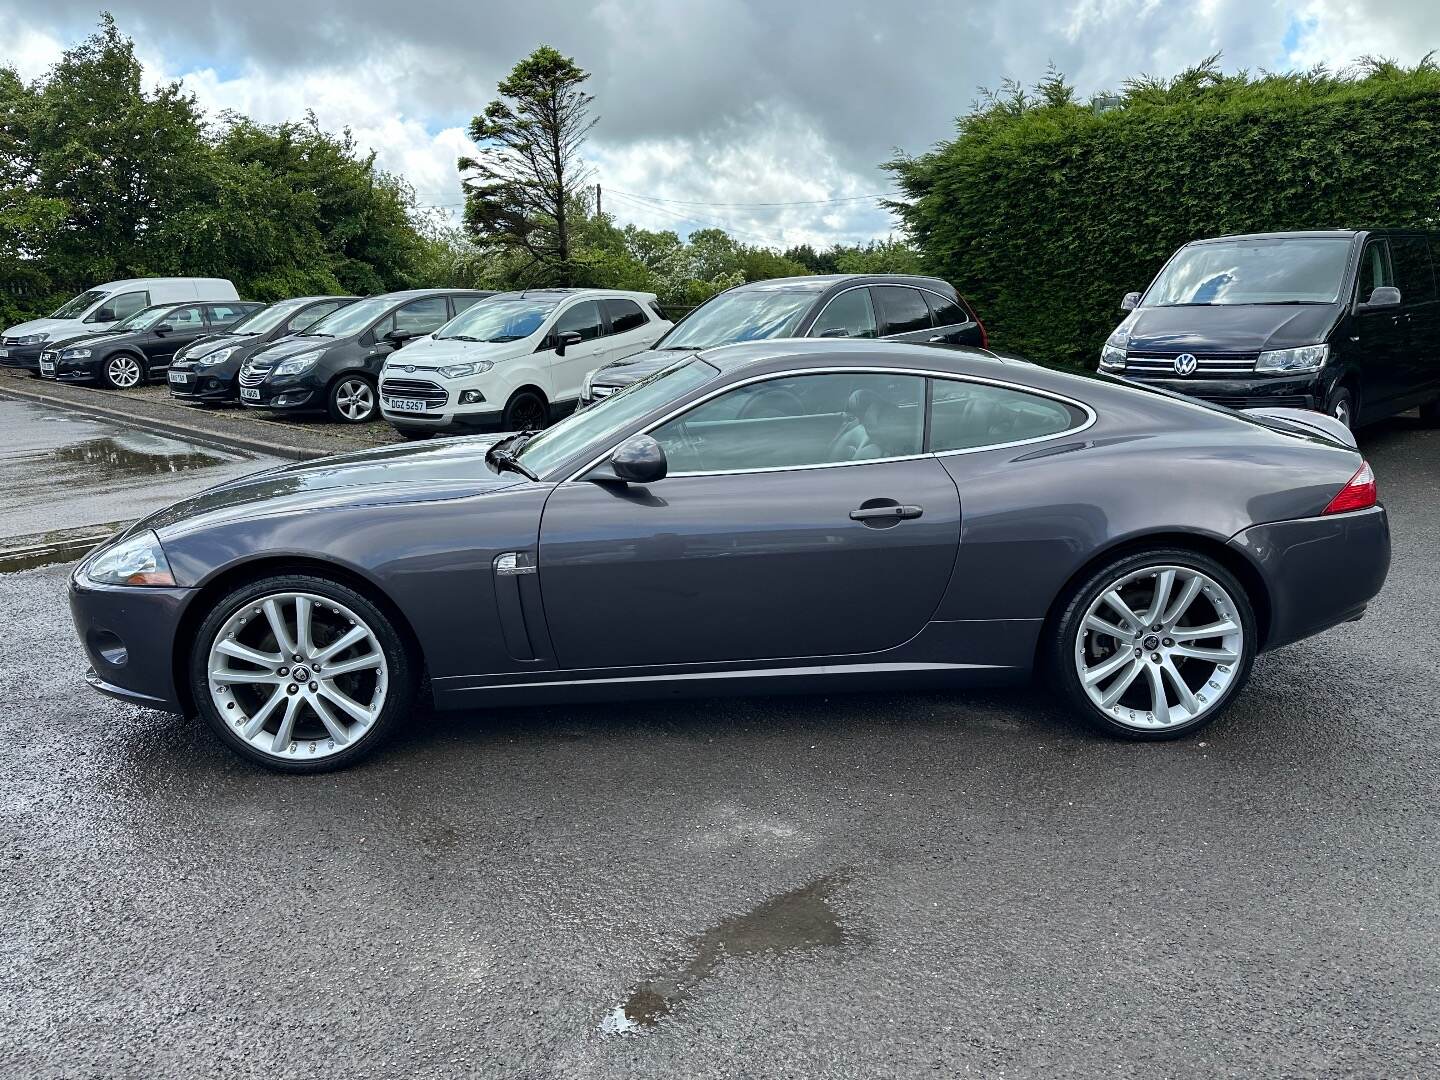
333	393
508	421
400	696
1343	393
1061	654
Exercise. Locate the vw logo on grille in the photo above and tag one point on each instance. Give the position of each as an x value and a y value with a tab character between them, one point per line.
1185	364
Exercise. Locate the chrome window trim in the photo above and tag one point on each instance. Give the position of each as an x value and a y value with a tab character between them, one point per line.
1090	418
875	309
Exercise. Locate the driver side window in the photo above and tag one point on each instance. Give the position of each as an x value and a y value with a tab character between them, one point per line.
827	419
1375	269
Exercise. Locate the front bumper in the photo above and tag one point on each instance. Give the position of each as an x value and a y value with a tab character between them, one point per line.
129	638
289	394
201	384
21	356
451	421
1245	392
1319	572
62	370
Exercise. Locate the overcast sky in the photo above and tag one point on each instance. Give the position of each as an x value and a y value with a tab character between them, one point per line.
703	104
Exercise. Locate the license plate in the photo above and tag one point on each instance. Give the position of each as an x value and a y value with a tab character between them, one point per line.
250	393
179	376
4	354
47	367
400	404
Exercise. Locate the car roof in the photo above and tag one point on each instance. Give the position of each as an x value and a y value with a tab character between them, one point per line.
1338	234
407	294
563	293
823	282
834	352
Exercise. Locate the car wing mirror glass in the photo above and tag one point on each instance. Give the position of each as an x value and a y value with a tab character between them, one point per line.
399	337
1386	296
1130	301
638	460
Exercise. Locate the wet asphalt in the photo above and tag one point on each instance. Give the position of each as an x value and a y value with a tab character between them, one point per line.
871	885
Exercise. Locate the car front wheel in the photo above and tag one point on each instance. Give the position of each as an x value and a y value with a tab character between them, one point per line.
1154	645
300	674
122	371
351	399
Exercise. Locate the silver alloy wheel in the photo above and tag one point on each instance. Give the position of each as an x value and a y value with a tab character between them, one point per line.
1341	411
297	676
124	371
1159	647
355	399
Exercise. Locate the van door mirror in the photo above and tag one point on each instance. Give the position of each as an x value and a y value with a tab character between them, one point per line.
565	340
1130	301
638	460
1386	296
105	314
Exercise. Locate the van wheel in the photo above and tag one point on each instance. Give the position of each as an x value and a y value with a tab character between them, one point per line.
122	371
351	400
1341	406
527	410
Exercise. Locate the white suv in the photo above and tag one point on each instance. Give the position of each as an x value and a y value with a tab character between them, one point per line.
514	361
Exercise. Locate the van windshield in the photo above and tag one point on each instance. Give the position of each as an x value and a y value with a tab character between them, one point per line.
1281	270
73	309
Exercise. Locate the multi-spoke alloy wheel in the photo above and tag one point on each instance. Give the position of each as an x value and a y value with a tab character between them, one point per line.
123	371
352	400
299	671
1157	646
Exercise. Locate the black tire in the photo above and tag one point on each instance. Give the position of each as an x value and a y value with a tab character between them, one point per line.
401	673
1430	413
1059	649
352	399
527	410
115	371
1341	406
414	434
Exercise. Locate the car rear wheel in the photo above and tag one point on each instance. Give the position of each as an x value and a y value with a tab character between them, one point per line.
300	674
1154	645
351	400
525	411
123	371
1342	407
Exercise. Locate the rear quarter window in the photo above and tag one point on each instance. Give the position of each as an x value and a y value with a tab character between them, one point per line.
970	416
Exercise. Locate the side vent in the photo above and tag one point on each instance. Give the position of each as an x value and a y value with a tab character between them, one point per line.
511	567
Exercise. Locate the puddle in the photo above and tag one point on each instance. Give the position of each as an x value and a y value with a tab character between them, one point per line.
111	459
796	921
50	549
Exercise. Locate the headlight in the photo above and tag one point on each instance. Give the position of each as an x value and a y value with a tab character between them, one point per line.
459	371
32	339
1112	358
219	356
297	365
137	561
1293	361
74	354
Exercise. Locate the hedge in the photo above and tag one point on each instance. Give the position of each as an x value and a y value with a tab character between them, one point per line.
1044	212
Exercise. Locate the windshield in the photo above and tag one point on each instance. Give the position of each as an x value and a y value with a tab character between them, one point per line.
352	319
267	318
497	320
743	315
1293	270
73	309
144	318
603	419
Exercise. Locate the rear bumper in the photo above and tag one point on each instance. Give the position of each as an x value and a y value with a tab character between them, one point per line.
1320	572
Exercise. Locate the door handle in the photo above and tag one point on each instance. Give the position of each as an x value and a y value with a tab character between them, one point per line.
886	513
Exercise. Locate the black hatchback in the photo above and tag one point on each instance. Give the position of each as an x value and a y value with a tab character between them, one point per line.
141	346
1346	322
205	371
897	307
333	366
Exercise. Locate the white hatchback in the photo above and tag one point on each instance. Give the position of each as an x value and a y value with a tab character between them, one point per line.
514	361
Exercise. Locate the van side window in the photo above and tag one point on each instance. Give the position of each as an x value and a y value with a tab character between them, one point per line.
126	304
1374	270
1414	277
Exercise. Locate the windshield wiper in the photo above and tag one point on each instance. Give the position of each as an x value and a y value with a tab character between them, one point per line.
507	337
504	459
457	337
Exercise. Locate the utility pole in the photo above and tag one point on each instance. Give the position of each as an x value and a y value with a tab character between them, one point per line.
597	198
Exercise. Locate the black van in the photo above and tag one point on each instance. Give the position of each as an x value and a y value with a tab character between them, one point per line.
1347	322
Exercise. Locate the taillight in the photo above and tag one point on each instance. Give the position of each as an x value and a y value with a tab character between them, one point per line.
1358	493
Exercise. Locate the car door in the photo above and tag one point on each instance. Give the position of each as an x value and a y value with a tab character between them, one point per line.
953	324
799	520
904	314
186	324
1415	277
1379	338
568	372
223	316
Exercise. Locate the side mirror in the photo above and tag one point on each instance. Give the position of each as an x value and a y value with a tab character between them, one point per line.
835	331
638	460
163	329
1386	296
1130	301
565	340
399	337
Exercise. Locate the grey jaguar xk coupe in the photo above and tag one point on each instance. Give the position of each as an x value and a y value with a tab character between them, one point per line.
782	515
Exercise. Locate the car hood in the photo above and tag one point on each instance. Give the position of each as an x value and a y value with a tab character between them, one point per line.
82	339
429	353
406	472
1230	328
46	326
635	367
206	345
294	346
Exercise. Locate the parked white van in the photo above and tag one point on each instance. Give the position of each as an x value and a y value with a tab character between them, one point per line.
97	308
514	361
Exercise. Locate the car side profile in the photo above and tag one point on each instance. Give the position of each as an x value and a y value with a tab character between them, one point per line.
333	367
141	347
206	370
893	307
515	361
1346	322
891	516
